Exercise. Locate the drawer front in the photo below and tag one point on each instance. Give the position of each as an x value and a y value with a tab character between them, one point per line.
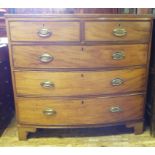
79	111
79	56
117	31
79	83
44	31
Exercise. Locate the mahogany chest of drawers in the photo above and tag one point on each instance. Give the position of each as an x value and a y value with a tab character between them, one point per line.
73	71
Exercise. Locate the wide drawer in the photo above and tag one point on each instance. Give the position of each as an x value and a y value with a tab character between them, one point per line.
79	111
79	56
79	83
117	31
44	31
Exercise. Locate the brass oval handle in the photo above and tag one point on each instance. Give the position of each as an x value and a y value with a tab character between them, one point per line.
119	32
44	32
47	84
46	58
49	112
119	55
115	109
117	81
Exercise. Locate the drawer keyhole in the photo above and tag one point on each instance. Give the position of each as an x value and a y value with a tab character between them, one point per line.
82	75
82	102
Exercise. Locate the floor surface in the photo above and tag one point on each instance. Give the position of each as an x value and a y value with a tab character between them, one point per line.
101	137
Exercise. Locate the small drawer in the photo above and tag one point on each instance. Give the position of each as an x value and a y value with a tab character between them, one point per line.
117	31
79	56
45	31
43	83
41	111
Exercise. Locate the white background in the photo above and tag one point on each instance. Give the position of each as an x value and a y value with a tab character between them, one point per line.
77	4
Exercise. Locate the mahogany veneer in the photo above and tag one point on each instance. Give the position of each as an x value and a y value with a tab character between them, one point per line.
79	70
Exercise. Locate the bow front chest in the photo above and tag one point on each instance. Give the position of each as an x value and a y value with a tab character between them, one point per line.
73	71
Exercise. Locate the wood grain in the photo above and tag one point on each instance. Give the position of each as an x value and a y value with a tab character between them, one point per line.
79	112
23	132
82	70
102	31
90	17
138	127
61	31
79	83
79	56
